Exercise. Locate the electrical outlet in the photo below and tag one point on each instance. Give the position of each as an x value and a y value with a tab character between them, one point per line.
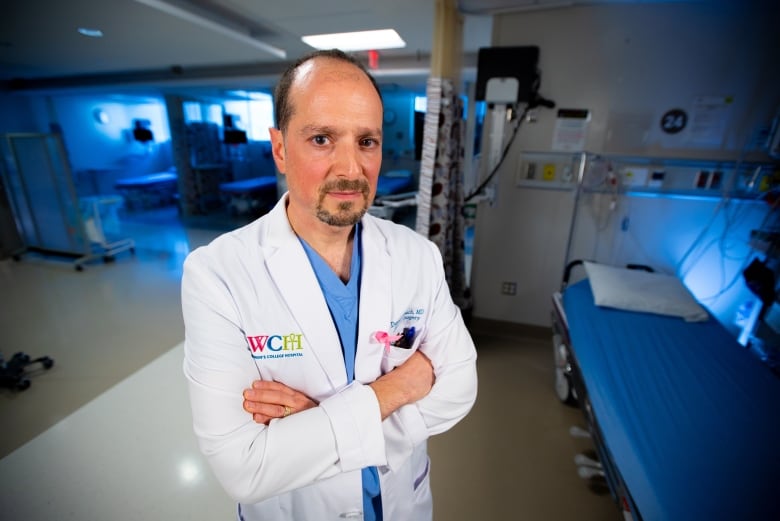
702	179
509	288
656	179
530	171
715	180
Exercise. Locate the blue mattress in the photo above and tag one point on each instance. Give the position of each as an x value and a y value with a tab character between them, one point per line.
147	181
389	185
249	186
690	418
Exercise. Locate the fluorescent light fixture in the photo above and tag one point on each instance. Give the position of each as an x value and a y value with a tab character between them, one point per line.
356	41
92	33
233	32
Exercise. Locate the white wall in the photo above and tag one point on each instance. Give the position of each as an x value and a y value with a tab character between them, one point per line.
100	153
626	64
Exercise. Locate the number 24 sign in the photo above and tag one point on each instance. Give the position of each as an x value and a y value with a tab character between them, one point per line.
673	121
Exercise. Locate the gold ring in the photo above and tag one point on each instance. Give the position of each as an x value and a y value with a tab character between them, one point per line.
287	411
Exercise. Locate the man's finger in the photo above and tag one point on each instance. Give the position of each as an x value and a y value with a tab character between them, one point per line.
272	386
261	418
266	395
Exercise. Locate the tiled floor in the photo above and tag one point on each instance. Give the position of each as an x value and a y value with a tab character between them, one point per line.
105	434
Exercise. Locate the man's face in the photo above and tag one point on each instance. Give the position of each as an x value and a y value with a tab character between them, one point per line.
331	151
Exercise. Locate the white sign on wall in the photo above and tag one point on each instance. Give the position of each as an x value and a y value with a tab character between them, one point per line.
709	120
571	127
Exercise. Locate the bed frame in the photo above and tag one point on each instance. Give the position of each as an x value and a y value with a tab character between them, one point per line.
571	390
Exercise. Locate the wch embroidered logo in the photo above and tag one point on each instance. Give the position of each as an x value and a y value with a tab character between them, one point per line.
277	346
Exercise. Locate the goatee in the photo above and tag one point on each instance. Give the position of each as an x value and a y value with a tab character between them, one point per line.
347	213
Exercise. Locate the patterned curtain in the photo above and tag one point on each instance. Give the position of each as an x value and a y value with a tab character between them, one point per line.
440	205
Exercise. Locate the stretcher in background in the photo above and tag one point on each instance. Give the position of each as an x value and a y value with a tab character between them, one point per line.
394	190
148	191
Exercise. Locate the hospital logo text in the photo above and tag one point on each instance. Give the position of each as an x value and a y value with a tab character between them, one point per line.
275	346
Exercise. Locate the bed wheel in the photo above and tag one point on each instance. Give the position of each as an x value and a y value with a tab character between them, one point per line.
563	385
563	388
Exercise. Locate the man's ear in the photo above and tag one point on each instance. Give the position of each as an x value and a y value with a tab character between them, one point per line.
277	148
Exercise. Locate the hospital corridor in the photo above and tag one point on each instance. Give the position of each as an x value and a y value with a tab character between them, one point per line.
106	432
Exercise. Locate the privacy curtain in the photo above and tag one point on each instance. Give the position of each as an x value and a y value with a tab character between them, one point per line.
440	205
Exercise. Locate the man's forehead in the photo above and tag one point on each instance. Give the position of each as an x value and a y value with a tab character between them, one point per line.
328	69
312	74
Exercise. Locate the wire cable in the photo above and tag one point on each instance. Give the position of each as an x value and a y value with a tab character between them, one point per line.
505	152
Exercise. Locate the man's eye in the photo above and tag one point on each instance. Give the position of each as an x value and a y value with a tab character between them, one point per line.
320	140
369	142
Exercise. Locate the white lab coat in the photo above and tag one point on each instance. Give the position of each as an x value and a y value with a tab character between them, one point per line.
253	288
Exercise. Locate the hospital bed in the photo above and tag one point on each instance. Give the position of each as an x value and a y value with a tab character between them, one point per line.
394	182
148	190
685	421
395	189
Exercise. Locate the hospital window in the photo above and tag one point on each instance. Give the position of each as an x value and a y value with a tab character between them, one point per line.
195	111
254	115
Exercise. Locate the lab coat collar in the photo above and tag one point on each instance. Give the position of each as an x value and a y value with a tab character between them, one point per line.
376	296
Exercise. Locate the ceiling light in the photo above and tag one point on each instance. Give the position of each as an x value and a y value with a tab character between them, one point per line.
210	22
356	41
92	33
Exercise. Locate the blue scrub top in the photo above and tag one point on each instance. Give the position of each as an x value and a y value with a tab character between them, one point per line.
342	300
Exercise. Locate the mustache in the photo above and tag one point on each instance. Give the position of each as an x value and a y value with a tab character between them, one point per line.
346	185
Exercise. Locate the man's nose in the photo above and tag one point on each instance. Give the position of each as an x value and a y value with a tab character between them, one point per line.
348	160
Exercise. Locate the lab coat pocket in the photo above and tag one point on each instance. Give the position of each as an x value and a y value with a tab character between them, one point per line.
398	346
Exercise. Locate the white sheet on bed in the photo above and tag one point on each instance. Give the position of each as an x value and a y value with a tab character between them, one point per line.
635	290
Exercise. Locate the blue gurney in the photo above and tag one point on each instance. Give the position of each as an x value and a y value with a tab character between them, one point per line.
684	418
148	190
394	182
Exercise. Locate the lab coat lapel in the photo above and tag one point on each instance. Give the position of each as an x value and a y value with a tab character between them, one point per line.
297	284
375	300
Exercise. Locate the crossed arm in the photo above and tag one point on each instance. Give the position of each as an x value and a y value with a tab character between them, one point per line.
406	384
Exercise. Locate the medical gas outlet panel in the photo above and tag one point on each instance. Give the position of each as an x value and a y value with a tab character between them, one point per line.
548	170
646	175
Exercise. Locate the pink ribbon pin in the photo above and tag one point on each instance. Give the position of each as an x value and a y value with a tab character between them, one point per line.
386	339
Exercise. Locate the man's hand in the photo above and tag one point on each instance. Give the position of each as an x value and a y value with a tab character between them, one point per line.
269	400
407	383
